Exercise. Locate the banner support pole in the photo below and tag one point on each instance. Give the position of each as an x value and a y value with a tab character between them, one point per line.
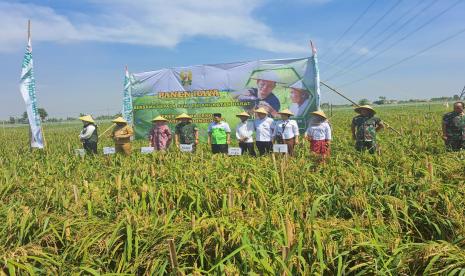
356	104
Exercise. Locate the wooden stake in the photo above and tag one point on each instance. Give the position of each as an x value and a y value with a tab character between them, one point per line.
285	253
230	198
76	196
173	257
193	222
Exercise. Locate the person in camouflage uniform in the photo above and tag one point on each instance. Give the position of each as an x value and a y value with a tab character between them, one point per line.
186	132
453	128
364	128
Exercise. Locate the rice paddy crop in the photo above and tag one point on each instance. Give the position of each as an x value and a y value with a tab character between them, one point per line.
400	213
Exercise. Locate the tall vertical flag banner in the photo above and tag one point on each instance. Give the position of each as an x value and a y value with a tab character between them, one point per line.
127	99
28	91
316	74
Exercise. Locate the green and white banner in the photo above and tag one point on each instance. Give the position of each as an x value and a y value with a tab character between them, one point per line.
127	101
28	91
229	89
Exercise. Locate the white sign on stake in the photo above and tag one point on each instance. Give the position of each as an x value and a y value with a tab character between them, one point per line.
234	151
80	152
280	148
186	147
146	150
108	150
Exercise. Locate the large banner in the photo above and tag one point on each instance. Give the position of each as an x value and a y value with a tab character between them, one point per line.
228	89
28	91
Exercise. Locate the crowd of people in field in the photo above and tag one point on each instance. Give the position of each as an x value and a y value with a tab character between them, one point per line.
262	132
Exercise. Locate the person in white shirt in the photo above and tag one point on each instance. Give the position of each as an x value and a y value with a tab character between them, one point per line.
319	135
89	135
244	132
219	134
263	127
286	131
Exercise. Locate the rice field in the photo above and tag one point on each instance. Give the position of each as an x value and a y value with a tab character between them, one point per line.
400	213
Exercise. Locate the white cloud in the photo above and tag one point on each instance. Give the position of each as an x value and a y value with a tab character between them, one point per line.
144	22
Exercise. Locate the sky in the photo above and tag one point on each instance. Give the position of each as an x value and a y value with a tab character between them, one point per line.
400	49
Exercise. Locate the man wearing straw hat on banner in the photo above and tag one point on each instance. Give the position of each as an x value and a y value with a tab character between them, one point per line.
89	135
244	134
364	129
262	96
263	126
121	134
186	132
160	134
286	131
300	98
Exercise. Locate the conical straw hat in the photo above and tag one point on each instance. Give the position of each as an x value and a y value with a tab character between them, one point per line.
320	113
261	110
286	112
183	116
159	118
358	108
243	114
120	120
87	118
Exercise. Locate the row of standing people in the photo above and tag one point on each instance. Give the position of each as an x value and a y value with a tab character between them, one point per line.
267	131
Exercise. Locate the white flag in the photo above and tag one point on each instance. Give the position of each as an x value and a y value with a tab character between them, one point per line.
127	99
28	91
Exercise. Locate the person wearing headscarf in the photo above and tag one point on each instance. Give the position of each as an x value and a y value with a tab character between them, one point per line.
160	134
89	134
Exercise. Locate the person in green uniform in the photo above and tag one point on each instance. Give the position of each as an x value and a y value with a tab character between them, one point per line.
453	128
364	129
186	132
219	134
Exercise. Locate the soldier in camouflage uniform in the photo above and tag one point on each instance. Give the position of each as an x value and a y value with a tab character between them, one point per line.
453	128
364	128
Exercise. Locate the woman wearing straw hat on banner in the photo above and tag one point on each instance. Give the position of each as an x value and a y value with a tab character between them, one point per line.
89	135
186	132
319	135
160	134
364	129
286	131
244	134
263	127
121	134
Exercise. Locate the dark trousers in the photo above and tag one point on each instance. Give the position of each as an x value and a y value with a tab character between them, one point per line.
247	148
455	144
219	148
90	147
371	146
264	147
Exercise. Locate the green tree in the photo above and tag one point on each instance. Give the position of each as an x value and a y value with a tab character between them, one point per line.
364	102
42	113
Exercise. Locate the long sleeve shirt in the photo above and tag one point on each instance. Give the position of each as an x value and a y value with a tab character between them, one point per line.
160	137
245	130
87	132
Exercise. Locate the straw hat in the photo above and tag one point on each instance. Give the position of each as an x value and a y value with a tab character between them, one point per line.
183	116
286	112
367	107
268	76
320	113
298	85
87	118
243	114
159	119
120	120
261	110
